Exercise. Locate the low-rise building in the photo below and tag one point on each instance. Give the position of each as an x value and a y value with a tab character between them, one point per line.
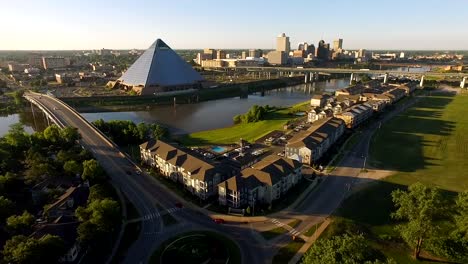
357	114
265	182
319	100
277	57
309	146
396	94
66	204
351	90
198	176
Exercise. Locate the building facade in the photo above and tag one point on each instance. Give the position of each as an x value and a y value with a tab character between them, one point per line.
308	147
265	182
283	44
196	175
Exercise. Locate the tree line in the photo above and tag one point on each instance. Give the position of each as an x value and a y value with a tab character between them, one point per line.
256	113
29	159
426	220
124	132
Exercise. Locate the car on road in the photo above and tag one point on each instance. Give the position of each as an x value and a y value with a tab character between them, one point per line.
55	108
219	221
179	205
138	172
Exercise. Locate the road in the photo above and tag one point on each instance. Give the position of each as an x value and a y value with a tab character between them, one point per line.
144	192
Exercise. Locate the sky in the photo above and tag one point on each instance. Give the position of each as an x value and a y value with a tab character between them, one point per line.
235	24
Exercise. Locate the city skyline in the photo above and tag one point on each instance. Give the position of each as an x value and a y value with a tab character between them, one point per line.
391	25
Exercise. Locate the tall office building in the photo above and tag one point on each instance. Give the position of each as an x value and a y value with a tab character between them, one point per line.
244	54
338	44
283	44
255	53
323	50
220	54
211	53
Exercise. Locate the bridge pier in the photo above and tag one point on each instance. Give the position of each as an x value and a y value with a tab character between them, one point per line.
311	76
463	82
317	76
306	77
385	80
421	83
351	79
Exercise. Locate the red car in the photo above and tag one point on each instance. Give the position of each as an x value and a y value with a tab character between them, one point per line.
219	221
179	205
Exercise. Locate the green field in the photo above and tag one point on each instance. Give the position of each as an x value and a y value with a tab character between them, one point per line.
250	132
427	143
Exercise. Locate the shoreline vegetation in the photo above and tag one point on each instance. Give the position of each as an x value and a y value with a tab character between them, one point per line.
111	103
274	119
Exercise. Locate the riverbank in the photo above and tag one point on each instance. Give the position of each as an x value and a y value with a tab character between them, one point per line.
126	103
274	120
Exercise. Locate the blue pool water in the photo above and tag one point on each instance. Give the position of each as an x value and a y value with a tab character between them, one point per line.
218	149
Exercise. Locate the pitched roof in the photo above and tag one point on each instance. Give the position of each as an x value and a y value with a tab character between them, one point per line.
159	65
199	169
315	134
268	171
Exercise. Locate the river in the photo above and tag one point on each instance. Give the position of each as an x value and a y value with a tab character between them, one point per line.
189	118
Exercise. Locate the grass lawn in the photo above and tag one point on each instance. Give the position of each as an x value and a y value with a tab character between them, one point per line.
286	253
270	234
252	131
312	230
232	249
428	143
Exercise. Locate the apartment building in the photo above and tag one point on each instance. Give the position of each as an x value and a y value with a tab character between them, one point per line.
265	182
198	176
357	114
309	146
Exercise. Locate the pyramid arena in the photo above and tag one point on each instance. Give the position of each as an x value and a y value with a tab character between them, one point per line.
160	70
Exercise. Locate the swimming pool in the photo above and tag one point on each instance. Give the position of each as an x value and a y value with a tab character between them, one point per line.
218	149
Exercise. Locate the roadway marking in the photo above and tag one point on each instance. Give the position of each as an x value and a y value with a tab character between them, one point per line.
291	231
156	214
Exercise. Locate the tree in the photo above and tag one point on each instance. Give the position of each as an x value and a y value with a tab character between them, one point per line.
98	192
18	96
461	217
73	167
420	206
69	135
52	134
104	214
98	218
21	249
347	249
158	132
17	137
6	207
92	171
20	223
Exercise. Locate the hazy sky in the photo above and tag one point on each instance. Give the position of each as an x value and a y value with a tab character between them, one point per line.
119	24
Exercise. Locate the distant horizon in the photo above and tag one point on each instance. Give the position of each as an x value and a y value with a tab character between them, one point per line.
51	50
119	24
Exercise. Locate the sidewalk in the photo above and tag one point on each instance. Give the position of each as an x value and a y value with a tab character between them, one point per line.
309	242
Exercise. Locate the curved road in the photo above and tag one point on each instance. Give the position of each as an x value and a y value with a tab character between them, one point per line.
143	191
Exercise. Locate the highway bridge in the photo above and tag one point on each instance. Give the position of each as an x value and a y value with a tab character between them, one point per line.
311	74
142	190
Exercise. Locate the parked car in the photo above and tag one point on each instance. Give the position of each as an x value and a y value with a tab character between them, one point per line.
219	221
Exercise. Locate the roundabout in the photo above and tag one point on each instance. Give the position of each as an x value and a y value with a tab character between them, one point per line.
196	248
